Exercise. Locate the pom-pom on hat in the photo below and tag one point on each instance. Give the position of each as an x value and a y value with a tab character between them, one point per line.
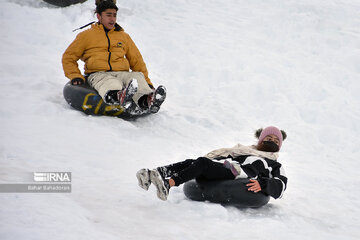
262	133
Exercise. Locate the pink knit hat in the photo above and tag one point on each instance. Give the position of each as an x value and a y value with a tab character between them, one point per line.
271	130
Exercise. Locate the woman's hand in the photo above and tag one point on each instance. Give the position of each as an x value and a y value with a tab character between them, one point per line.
254	186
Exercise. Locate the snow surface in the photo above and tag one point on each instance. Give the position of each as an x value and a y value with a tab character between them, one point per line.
229	67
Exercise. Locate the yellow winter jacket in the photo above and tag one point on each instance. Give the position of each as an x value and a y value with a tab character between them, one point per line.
103	51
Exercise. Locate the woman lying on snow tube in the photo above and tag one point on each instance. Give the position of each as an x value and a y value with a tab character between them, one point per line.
241	176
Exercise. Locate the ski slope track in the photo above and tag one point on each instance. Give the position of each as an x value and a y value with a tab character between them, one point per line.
230	67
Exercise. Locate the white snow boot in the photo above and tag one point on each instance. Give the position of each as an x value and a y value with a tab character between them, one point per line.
143	176
160	183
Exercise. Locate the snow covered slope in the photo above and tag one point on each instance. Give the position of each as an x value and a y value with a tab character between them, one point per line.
229	67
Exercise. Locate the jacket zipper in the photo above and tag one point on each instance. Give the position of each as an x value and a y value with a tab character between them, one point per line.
109	50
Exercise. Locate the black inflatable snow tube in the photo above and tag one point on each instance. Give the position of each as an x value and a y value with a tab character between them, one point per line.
64	3
226	192
87	100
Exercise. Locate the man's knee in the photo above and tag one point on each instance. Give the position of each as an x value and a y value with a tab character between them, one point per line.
138	76
99	78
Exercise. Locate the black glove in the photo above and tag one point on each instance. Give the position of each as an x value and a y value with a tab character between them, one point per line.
151	86
77	81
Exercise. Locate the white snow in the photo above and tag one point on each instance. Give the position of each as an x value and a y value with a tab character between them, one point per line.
229	67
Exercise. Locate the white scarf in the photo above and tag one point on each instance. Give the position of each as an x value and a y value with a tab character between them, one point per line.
240	150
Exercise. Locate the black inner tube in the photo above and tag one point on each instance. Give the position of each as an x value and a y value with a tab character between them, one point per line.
64	3
226	192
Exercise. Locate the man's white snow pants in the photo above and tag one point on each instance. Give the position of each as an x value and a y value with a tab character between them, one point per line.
106	81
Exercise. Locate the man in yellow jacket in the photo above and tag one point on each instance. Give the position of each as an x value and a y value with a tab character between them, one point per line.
109	54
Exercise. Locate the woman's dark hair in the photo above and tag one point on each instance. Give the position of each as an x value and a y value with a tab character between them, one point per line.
101	6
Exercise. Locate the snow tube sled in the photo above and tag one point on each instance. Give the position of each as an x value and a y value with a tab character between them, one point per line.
86	99
64	3
226	192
